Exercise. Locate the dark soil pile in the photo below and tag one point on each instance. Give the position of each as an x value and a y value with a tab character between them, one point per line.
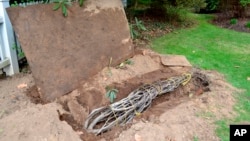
225	22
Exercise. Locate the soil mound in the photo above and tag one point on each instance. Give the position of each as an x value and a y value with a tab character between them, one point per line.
184	114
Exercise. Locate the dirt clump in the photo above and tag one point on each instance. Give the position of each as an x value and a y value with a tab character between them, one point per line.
37	123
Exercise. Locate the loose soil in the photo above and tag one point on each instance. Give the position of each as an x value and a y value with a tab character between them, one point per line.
187	113
223	21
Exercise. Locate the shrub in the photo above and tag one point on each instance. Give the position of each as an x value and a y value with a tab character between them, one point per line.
175	14
136	28
248	24
233	21
171	10
244	3
212	5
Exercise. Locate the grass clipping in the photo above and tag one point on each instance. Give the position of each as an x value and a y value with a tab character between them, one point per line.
123	111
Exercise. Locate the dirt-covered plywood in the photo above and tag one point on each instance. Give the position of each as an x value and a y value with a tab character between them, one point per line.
63	51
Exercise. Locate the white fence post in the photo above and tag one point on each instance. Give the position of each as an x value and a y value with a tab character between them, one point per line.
125	3
7	39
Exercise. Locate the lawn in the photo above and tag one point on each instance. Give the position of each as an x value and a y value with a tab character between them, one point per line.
210	47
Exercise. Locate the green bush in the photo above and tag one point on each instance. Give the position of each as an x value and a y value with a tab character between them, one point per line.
233	21
244	3
168	9
212	5
176	11
248	24
136	28
174	14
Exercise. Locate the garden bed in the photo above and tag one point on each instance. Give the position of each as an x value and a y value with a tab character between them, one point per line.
237	24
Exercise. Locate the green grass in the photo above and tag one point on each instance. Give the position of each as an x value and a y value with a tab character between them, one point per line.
210	47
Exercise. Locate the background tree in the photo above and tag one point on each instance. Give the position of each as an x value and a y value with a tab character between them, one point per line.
171	10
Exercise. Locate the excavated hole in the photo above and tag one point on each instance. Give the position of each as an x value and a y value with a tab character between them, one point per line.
197	86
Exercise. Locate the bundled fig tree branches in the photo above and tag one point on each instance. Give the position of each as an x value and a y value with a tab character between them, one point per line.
123	111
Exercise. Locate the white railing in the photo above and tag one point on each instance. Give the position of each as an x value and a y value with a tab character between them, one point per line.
125	3
8	61
24	4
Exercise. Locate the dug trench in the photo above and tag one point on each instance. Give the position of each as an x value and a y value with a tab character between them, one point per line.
91	94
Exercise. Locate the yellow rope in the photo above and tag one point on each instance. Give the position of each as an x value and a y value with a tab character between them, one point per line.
136	113
187	79
158	87
172	79
114	115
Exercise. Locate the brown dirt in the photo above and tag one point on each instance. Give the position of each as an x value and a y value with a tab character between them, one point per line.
155	28
11	98
223	21
36	123
187	113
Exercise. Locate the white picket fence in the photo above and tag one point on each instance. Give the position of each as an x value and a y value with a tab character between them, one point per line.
125	3
30	3
8	56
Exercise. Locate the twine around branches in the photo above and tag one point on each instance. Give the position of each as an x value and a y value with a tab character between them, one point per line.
123	111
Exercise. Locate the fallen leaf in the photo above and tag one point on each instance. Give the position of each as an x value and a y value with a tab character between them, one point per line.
191	95
1	130
21	86
138	137
52	138
79	132
1	113
248	78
